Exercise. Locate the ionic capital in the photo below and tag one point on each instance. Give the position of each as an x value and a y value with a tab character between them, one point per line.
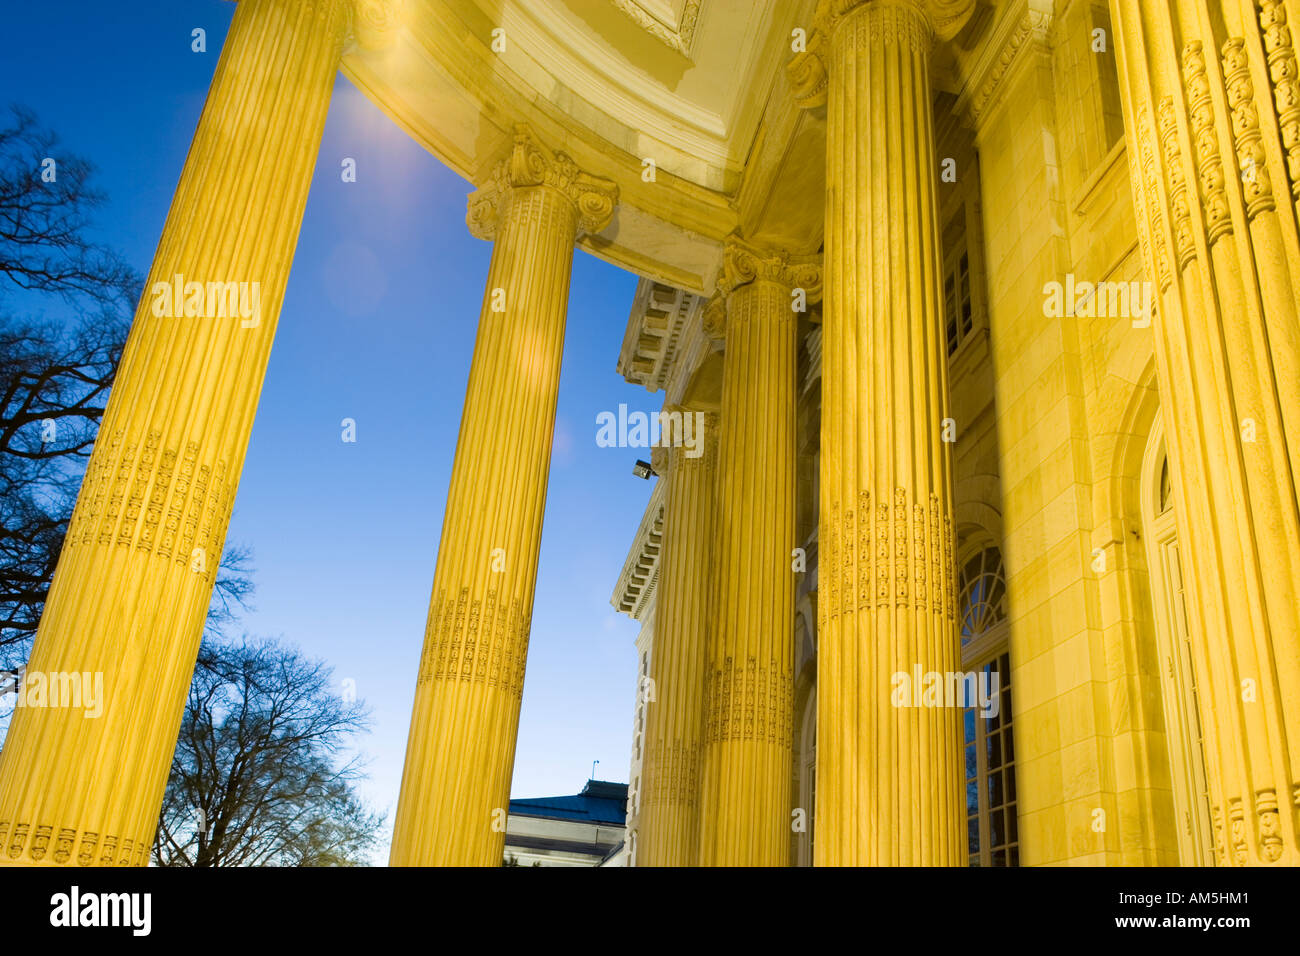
944	18
743	263
920	23
531	164
375	23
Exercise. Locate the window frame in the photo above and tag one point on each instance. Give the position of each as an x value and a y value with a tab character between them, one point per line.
1179	696
991	646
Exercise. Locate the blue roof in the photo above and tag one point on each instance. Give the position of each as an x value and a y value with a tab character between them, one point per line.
600	801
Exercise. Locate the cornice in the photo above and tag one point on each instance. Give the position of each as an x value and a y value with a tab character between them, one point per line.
640	574
658	334
1022	26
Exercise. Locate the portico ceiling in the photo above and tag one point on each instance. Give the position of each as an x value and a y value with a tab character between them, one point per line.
696	86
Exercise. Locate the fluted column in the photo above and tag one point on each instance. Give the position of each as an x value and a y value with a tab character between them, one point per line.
668	834
460	753
136	572
745	790
1212	115
888	777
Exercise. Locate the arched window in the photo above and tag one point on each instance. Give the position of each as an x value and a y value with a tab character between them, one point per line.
992	824
1177	676
982	594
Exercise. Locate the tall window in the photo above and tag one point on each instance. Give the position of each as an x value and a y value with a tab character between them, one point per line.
956	300
992	827
1178	678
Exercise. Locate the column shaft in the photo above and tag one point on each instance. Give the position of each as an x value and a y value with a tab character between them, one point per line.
888	777
460	753
745	795
135	576
1212	113
669	828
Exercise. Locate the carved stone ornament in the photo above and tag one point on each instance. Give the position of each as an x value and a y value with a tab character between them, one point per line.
807	73
743	263
715	319
532	164
679	39
660	460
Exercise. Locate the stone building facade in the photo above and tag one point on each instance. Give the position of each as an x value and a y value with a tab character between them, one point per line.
990	310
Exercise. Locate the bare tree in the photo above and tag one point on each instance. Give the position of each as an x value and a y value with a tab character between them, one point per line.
65	309
55	372
260	775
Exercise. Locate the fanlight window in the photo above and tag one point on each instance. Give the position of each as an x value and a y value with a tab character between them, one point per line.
982	597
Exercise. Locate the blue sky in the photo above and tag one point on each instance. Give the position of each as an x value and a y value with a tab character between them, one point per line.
378	326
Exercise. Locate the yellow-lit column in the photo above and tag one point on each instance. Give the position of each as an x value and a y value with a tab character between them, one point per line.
135	576
460	753
668	834
1212	112
889	777
745	790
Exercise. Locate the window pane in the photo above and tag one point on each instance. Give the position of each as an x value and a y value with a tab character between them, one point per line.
997	836
995	790
993	751
972	768
992	720
973	835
